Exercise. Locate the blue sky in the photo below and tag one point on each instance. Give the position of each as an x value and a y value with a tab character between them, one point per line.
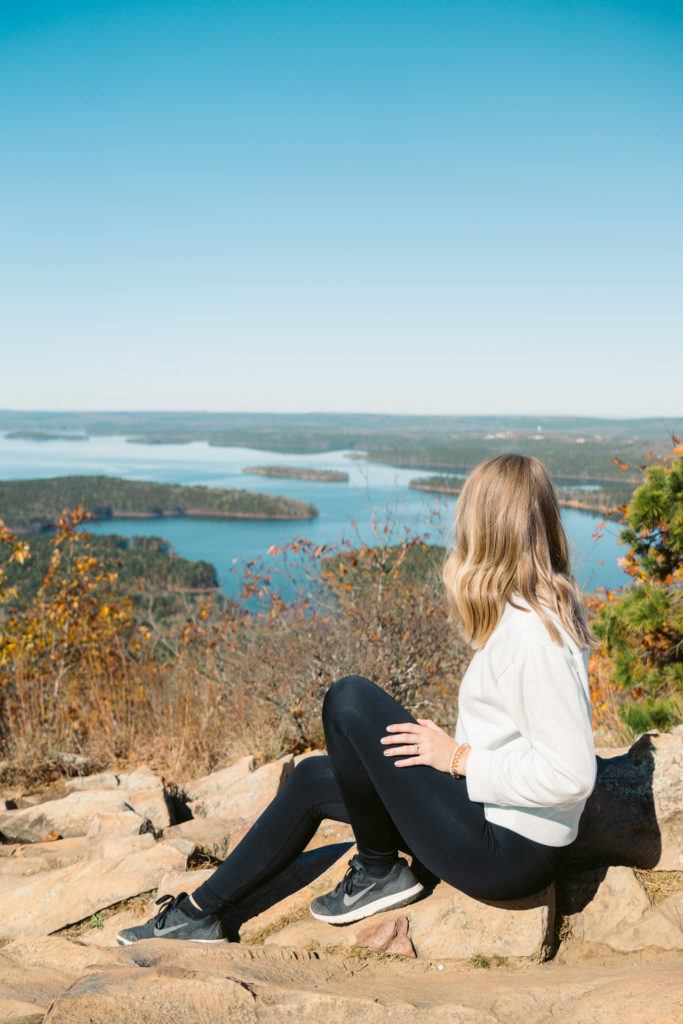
428	207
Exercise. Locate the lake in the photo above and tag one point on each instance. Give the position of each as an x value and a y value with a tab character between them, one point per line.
377	496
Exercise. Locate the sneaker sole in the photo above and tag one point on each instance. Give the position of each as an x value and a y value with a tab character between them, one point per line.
399	899
129	942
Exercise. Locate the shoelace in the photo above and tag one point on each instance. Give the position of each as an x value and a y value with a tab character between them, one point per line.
347	880
167	902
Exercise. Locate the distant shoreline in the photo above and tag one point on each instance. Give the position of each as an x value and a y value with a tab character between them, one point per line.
581	504
193	513
574	449
43	435
22	530
45	526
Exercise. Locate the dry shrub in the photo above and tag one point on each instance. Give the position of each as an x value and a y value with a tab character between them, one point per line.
82	676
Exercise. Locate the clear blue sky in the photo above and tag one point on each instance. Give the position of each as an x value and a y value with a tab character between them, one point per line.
430	207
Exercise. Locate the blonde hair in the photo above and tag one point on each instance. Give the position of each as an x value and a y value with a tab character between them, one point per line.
509	539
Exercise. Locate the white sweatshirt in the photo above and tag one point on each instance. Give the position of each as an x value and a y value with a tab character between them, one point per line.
524	707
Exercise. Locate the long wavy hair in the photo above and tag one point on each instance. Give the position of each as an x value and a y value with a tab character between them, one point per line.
509	539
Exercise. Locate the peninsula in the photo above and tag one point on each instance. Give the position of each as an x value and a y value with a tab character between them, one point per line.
33	506
602	501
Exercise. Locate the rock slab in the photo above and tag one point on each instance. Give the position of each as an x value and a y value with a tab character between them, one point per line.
53	899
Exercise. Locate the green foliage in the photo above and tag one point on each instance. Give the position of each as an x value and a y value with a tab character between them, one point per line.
654	520
642	628
659	713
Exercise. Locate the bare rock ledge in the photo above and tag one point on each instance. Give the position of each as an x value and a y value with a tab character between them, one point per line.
125	840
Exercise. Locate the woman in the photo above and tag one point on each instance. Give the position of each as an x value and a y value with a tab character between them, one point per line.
490	810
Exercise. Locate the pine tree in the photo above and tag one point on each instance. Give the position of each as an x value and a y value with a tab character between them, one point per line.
642	627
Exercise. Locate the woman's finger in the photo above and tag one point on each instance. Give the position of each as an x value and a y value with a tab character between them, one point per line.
409	761
397	751
404	727
399	737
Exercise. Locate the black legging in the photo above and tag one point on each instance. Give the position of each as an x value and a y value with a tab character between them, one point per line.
416	808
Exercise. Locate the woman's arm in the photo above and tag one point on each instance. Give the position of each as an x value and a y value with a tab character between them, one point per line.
557	764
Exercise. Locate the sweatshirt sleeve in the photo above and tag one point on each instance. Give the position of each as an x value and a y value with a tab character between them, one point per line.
557	763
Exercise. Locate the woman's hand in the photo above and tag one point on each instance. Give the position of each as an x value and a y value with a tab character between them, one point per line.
436	745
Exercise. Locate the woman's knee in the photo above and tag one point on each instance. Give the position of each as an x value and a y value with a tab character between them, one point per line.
348	693
311	772
313	776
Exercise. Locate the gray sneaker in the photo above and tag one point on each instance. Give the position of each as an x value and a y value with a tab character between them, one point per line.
170	922
360	894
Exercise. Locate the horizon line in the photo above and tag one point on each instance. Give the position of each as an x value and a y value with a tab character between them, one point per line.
316	412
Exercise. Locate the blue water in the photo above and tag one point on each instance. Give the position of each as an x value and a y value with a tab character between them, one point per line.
375	506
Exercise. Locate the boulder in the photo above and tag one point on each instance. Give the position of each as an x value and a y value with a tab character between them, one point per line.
445	925
30	858
660	927
71	815
613	909
141	793
594	914
240	792
308	753
177	880
25	859
53	899
183	845
211	836
387	937
634	815
100	780
116	823
450	924
221	781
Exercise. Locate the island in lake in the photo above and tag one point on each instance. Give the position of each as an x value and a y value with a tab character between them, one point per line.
33	506
327	476
605	500
44	435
